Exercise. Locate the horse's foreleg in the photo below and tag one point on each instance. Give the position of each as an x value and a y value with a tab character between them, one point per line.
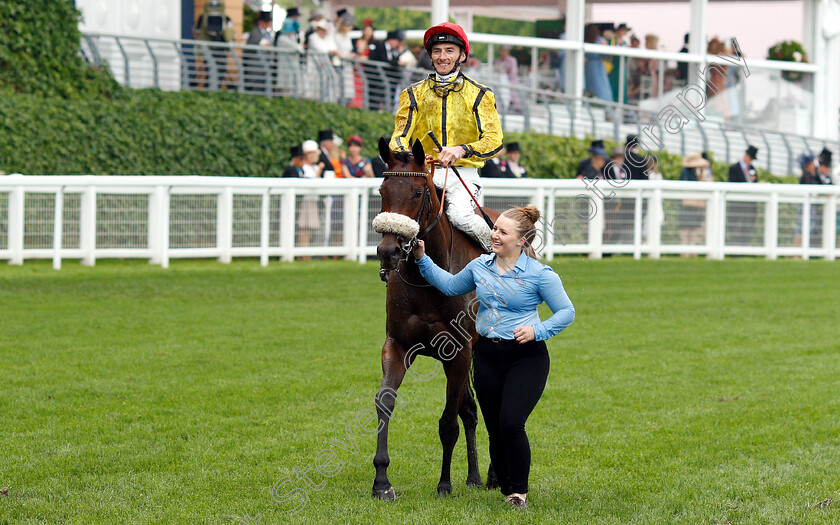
456	380
469	417
393	372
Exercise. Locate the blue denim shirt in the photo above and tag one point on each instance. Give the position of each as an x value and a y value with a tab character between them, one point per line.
507	301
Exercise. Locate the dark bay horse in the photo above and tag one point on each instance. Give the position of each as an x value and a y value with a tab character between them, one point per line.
420	319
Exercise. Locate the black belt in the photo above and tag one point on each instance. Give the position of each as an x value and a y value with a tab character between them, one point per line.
498	340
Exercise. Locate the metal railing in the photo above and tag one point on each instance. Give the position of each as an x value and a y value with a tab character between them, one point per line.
164	217
273	72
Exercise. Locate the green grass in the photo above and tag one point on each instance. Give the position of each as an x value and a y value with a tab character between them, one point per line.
686	391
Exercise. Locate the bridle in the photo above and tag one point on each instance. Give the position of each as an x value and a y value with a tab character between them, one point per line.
407	246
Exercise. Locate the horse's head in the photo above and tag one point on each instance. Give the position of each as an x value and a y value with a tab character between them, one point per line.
406	203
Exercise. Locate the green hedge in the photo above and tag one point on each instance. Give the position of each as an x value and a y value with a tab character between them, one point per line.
39	52
176	133
186	133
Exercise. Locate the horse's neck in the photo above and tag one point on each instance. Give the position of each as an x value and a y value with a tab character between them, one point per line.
438	241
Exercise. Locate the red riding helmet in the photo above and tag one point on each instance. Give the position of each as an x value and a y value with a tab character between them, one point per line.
446	32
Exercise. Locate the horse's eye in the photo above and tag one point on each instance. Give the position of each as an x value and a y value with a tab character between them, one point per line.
418	193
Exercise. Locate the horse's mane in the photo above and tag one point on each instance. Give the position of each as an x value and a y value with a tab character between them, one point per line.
404	156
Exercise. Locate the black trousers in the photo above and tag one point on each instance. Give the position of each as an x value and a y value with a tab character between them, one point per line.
509	379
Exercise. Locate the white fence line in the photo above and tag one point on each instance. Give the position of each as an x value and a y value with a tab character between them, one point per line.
165	217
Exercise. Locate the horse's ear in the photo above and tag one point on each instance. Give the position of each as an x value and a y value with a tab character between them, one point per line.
419	154
385	151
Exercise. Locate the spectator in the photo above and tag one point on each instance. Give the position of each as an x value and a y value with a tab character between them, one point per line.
597	82
692	214
587	162
508	70
261	34
337	156
810	175
308	214
613	69
326	141
321	40
636	164
824	168
594	168
346	50
316	16
743	170
290	30
621	34
741	215
343	42
295	167
213	25
558	64
731	79
332	203
382	91
366	42
512	167
682	67
355	165
652	170
257	63
716	81
616	170
652	67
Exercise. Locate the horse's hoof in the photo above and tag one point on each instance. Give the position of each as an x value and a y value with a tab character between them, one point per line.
388	494
492	482
444	489
475	482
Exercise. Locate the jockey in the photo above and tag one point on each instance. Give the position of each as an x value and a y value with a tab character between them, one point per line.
462	114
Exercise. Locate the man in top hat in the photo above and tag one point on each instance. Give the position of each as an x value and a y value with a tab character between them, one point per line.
584	165
295	167
741	216
513	169
635	165
326	139
333	204
261	34
462	115
743	170
257	65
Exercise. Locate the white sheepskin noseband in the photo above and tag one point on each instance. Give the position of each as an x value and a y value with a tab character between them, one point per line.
396	223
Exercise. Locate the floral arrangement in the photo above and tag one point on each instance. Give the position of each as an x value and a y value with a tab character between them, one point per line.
788	51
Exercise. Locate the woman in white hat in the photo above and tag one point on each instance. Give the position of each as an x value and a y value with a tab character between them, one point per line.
692	215
308	214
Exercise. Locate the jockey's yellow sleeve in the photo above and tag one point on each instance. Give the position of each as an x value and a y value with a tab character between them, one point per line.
466	115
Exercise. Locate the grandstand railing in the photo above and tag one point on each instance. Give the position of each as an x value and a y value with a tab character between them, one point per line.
274	72
164	217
